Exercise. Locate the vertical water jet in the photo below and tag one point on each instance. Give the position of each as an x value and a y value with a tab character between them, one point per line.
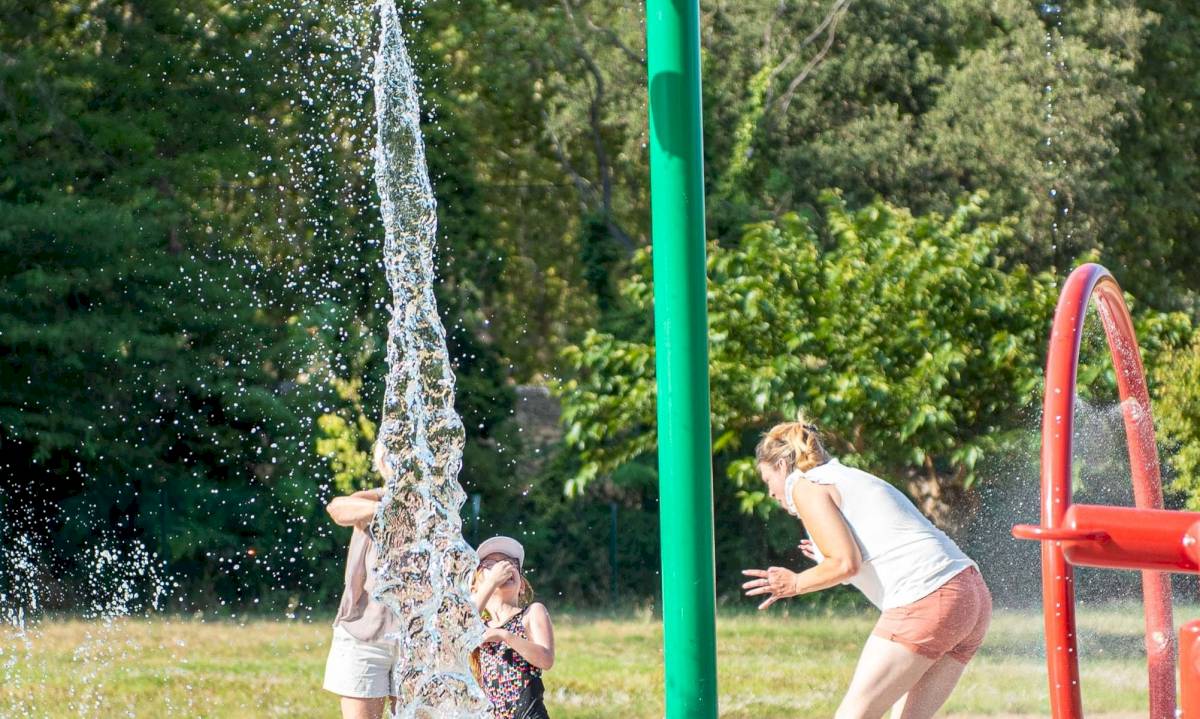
425	565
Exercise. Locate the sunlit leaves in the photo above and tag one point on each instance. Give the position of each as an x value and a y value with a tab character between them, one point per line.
1177	413
904	336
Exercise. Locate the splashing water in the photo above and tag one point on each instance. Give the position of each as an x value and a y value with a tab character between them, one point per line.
1057	175
125	580
20	604
425	565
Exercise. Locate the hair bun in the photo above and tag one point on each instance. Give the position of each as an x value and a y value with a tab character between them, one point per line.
796	444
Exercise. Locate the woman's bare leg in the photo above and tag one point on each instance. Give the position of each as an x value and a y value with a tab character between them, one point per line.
886	671
362	708
931	690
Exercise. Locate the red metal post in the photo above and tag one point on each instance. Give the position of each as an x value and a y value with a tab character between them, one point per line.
1147	486
1057	428
1058	418
1189	670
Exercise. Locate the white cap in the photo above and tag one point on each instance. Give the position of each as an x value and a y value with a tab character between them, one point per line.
502	545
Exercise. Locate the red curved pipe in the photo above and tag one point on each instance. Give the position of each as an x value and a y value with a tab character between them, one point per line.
1132	538
1058	418
1191	542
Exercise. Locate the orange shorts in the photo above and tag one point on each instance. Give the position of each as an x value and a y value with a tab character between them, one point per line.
949	622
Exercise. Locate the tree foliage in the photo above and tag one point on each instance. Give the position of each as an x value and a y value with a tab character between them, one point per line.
192	308
1177	413
911	339
150	389
191	279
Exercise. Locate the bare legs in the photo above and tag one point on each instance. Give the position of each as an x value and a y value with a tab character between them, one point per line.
889	675
886	671
362	708
931	690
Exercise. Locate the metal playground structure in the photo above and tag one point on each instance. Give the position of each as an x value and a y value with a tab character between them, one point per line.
1144	537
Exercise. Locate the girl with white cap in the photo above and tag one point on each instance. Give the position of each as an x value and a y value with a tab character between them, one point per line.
519	643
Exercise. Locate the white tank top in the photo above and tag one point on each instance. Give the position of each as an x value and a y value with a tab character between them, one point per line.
904	557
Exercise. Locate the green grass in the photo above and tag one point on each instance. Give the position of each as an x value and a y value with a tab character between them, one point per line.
770	666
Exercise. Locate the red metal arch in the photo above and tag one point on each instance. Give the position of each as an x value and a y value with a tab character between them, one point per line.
1103	536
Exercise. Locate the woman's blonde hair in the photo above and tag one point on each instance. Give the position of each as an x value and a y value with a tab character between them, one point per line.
796	444
524	599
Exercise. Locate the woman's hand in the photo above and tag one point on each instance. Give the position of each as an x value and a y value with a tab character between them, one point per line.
495	635
808	549
776	582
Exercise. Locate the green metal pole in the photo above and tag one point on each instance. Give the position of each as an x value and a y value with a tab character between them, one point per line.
681	341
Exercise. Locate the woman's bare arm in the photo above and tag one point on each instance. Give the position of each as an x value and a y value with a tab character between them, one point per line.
825	524
352	511
375	495
829	531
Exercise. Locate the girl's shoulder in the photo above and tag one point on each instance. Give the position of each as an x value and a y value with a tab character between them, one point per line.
536	610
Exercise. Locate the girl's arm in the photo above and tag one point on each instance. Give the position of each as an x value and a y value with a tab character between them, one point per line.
352	511
538	649
482	593
829	531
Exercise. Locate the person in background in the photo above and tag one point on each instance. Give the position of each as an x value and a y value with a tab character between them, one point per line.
519	643
363	653
863	531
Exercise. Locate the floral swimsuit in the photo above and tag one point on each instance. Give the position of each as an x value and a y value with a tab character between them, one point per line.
513	684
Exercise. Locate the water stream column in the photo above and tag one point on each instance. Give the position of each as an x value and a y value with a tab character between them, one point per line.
424	565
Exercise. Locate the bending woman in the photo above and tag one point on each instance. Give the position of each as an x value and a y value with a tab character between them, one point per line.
863	531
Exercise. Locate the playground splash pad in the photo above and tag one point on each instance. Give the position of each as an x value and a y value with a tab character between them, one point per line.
425	564
1147	537
423	436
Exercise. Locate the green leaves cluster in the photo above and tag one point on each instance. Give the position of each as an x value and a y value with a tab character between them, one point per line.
151	381
346	442
914	343
1176	380
905	337
191	290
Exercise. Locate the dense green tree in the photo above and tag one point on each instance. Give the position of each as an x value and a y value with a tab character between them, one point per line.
909	339
192	275
1066	118
1157	173
150	385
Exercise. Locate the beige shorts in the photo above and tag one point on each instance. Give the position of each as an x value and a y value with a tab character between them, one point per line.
358	669
950	622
